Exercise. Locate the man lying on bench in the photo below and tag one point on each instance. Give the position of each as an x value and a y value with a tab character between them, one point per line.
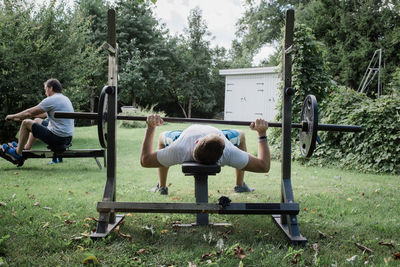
206	145
54	132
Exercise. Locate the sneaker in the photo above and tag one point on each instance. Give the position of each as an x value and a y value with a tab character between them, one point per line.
243	189
13	144
55	161
162	190
11	153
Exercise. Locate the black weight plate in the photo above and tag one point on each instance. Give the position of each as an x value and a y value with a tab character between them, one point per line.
102	117
309	114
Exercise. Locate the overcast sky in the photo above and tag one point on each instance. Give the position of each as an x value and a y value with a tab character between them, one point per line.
220	15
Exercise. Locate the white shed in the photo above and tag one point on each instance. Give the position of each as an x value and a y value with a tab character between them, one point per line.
251	93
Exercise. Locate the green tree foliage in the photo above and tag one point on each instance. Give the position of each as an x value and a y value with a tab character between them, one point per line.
141	48
195	92
37	43
261	24
351	32
94	12
309	75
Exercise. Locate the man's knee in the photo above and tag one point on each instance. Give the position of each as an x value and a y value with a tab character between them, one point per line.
38	120
242	137
27	124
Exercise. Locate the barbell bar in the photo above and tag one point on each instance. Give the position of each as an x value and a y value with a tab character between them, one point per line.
303	125
307	135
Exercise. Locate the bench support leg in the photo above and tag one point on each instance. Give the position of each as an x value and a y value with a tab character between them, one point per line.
201	193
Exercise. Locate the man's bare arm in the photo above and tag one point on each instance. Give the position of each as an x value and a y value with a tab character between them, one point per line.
25	114
148	157
262	162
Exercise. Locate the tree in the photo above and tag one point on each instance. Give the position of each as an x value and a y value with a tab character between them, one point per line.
94	63
352	31
195	92
261	24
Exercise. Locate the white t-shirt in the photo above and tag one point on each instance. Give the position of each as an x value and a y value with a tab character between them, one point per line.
181	149
58	126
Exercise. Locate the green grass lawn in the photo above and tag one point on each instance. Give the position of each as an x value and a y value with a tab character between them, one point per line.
46	212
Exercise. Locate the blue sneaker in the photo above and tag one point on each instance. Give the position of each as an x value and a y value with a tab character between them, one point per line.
13	144
11	154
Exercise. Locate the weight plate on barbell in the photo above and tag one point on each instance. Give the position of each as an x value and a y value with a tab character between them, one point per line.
102	117
308	136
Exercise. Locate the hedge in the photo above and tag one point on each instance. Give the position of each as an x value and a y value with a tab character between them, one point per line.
376	148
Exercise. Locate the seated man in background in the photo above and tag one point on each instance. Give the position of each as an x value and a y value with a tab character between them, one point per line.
206	145
53	132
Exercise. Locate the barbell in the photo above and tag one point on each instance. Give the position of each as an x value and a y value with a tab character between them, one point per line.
308	126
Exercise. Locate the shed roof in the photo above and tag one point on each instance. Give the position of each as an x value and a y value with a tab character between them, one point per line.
249	71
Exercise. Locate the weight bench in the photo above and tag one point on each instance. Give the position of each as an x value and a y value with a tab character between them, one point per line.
201	173
64	152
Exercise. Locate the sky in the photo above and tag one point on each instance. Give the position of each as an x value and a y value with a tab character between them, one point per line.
220	15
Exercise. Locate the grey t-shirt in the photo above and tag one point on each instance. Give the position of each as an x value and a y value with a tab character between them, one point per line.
58	102
181	149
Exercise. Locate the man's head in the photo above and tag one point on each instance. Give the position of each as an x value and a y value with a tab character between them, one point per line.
54	84
209	149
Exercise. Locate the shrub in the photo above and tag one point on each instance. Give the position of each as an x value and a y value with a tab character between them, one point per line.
138	112
377	147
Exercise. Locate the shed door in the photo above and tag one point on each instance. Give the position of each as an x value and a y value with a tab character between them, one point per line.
245	97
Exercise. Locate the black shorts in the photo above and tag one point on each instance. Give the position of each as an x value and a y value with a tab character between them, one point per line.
41	132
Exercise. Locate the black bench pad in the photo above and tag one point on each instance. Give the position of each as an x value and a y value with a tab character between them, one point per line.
192	168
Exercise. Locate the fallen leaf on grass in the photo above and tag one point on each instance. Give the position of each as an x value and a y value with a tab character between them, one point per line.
90	260
353	259
69	222
164	231
128	215
396	255
141	251
206	256
76	238
85	234
47	208
386	244
296	258
349	199
323	235
94	219
363	248
46	225
70	192
239	252
13	211
80	248
176	198
387	260
36	203
169	185
2	204
315	247
124	235
16	173
192	264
